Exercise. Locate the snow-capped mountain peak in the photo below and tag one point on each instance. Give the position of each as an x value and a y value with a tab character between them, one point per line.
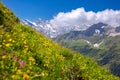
52	31
44	27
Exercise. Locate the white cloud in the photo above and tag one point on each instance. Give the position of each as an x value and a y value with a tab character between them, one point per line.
80	17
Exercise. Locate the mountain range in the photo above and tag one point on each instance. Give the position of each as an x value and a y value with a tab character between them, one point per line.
46	28
51	31
100	42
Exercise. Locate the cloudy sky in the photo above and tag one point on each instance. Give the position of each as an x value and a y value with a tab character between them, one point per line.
67	12
80	17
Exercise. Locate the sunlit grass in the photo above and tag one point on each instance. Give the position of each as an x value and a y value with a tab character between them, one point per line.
26	54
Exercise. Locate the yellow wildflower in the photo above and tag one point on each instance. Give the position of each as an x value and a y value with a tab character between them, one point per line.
3	57
8	36
4	41
62	58
26	46
25	76
34	63
10	39
26	49
28	71
46	74
8	44
0	45
42	74
31	59
25	42
19	71
14	33
30	67
78	75
13	76
46	65
2	32
13	41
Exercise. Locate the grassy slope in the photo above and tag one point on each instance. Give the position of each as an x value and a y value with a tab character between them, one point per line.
26	54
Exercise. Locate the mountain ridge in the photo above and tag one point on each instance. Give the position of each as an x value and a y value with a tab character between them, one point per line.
51	31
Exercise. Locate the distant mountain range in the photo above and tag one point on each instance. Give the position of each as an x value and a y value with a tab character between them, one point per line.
96	30
51	31
100	41
41	26
44	27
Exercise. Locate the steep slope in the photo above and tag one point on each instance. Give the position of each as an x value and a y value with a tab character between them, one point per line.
27	55
103	47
